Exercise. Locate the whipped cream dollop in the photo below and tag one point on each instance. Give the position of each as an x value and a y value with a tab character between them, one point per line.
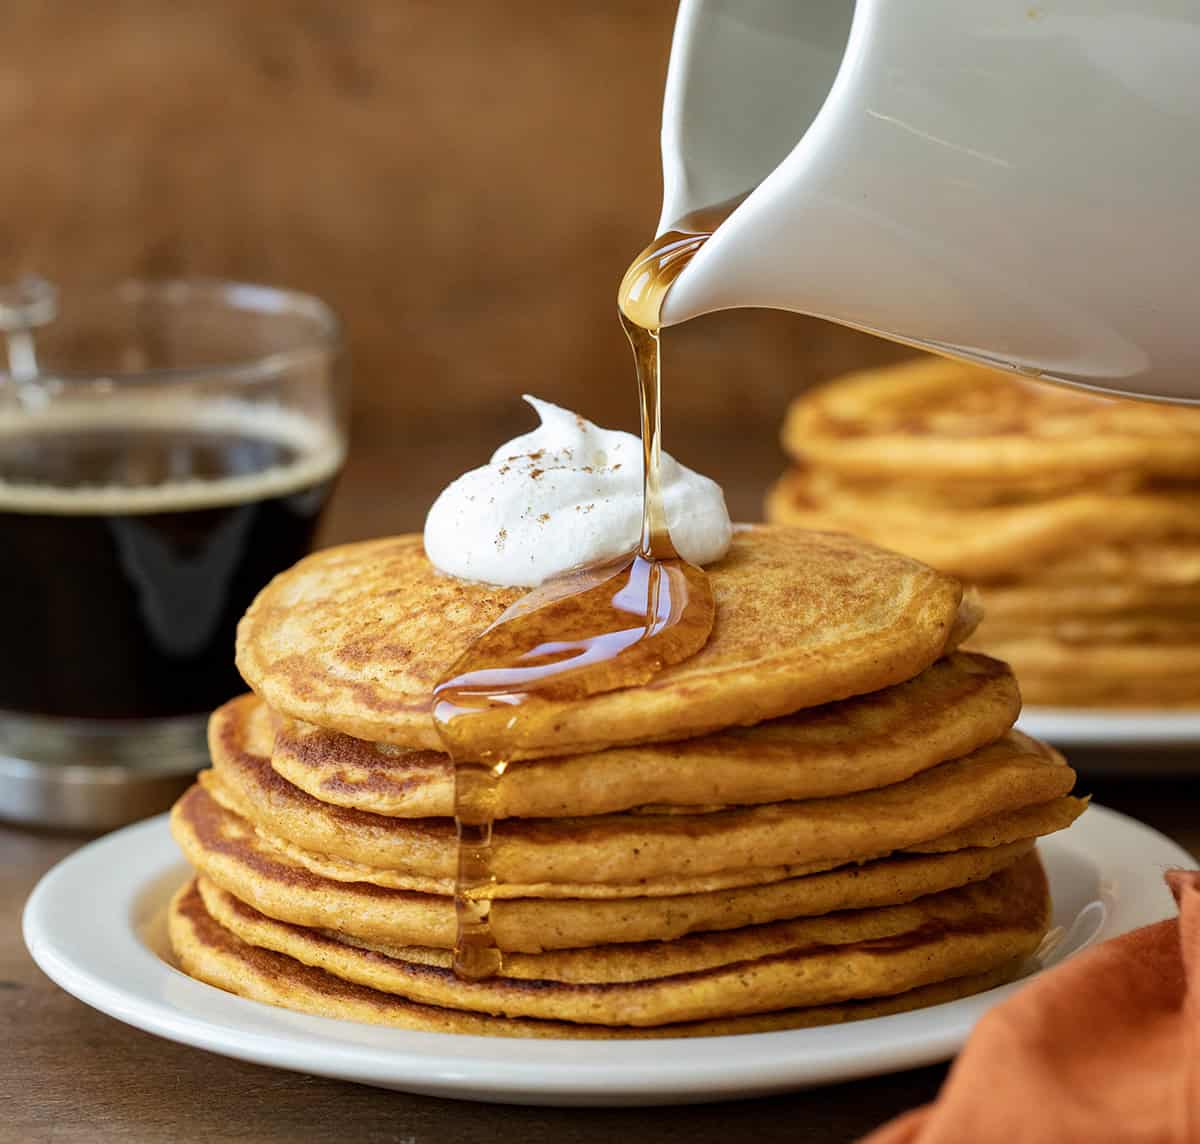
567	494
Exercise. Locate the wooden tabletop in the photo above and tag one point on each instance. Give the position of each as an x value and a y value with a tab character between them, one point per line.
71	1074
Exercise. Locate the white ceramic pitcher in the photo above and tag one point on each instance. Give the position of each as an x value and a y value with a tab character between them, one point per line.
1013	181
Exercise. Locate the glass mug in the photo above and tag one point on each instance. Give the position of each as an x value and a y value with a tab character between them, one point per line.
165	449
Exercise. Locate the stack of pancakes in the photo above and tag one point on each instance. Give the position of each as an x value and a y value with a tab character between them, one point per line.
822	815
1078	516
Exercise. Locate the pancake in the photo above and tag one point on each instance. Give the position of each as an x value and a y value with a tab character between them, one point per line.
210	953
354	639
617	963
228	851
1144	627
787	965
1009	826
630	849
1028	822
992	543
953	707
949	420
928	494
1171	562
1069	674
1026	601
344	870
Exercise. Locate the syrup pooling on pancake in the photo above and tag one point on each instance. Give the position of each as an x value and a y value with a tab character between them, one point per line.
599	629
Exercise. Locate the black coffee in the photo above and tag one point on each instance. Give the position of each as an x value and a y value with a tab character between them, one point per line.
127	556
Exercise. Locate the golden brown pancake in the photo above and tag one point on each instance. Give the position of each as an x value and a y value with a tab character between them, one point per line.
628	963
1008	826
786	965
1135	627
953	707
1028	600
948	420
1171	562
1076	674
211	953
227	850
632	849
995	542
1093	598
354	639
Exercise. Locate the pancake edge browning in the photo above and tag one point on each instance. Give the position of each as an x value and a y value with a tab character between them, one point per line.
229	852
995	542
633	963
817	976
955	706
841	425
633	849
212	955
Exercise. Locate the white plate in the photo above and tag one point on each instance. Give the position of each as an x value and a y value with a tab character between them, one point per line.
94	924
1162	731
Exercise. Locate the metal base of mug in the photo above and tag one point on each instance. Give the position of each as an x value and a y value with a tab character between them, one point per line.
84	774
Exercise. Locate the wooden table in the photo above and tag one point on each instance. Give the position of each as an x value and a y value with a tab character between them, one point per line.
70	1074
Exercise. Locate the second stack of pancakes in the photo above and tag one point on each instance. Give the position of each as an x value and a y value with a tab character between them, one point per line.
1077	516
822	815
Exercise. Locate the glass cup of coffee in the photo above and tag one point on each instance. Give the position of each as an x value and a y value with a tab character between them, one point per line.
165	449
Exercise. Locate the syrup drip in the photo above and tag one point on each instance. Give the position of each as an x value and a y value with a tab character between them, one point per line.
600	628
606	627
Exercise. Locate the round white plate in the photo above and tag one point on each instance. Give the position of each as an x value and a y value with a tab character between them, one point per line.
94	925
1165	737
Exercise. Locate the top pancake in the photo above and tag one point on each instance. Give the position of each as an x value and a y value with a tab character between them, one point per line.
933	418
354	639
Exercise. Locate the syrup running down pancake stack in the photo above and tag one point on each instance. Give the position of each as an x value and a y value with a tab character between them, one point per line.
822	815
1077	516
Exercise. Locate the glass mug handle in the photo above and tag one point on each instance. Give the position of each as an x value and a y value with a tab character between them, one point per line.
25	305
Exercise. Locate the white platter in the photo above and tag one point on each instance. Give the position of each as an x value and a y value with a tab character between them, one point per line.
94	926
1160	740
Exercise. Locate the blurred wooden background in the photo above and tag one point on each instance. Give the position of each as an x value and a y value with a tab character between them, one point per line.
465	182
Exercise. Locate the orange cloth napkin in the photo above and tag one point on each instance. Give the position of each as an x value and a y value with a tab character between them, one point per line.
1104	1048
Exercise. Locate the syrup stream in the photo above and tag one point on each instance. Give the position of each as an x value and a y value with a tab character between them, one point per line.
598	629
